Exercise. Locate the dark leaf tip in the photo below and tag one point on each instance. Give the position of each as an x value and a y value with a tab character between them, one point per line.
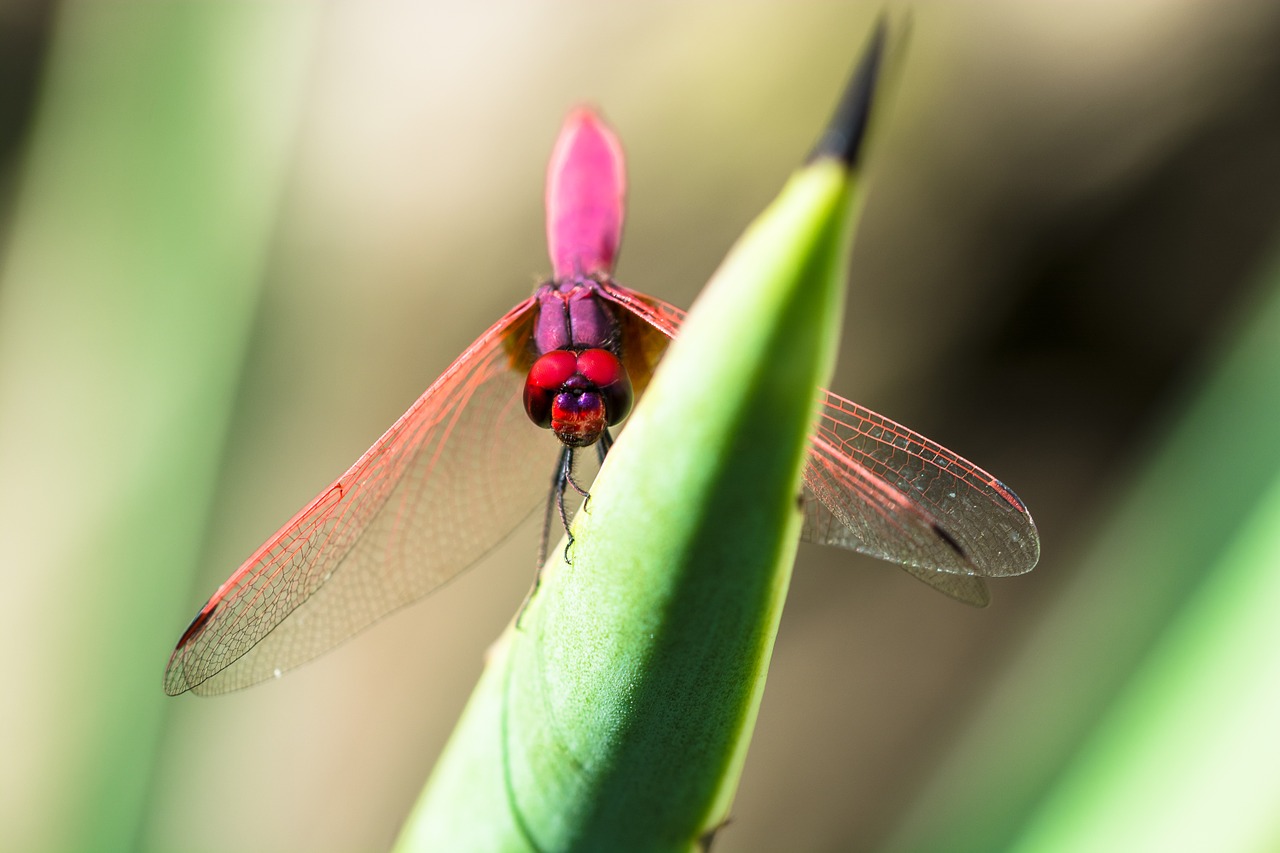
843	137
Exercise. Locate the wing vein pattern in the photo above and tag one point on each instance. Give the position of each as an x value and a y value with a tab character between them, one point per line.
431	497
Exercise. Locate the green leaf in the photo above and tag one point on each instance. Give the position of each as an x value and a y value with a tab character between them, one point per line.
130	278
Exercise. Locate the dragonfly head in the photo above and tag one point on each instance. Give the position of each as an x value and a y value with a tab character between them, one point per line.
577	394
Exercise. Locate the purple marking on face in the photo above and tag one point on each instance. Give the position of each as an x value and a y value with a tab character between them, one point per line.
578	417
577	403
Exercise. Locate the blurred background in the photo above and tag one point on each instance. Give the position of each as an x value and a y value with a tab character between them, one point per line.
238	240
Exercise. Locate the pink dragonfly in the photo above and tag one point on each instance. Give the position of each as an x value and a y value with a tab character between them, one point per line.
447	481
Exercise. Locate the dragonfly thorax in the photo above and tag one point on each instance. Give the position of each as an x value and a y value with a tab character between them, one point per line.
573	315
577	395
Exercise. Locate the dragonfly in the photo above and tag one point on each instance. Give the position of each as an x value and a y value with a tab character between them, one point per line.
447	481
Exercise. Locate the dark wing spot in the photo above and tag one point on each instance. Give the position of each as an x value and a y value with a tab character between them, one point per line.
198	623
950	540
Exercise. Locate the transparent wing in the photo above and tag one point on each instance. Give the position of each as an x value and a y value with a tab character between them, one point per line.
648	326
969	589
663	316
432	496
890	492
877	487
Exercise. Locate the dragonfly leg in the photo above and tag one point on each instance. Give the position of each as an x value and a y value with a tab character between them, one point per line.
564	476
560	480
555	501
577	488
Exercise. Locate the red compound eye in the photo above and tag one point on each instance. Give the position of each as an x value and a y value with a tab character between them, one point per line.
546	377
577	394
553	369
602	369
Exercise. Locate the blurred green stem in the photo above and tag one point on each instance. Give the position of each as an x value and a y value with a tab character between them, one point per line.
1188	758
127	293
1157	546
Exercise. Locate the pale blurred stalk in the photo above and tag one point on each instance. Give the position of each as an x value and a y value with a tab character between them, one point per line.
1189	756
127	291
1102	682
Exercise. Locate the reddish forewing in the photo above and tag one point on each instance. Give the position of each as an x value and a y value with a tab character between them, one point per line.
446	460
648	326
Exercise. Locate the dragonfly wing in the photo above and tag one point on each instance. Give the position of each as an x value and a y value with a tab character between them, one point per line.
648	326
663	316
431	497
875	486
969	589
890	492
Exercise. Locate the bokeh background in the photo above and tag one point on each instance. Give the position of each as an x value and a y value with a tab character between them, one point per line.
239	239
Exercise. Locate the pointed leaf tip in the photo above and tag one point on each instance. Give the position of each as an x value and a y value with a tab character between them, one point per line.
842	139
